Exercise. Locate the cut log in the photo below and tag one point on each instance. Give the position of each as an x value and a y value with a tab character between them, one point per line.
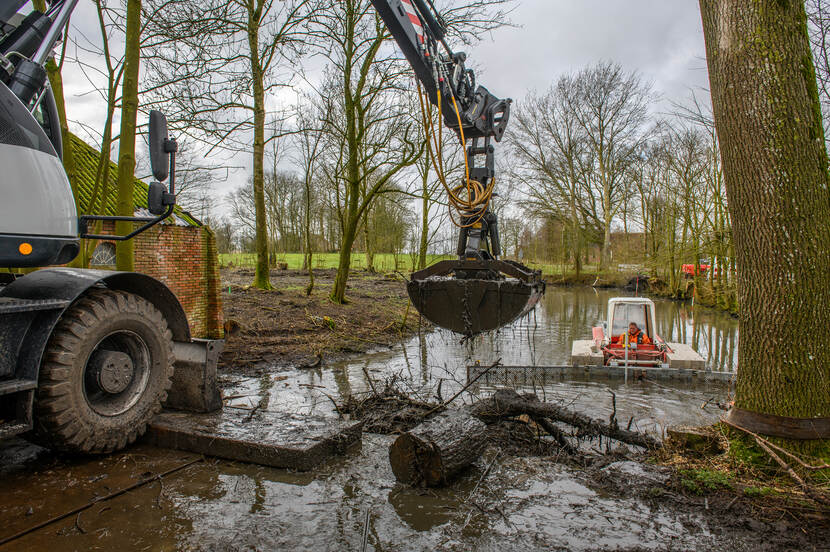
431	453
506	403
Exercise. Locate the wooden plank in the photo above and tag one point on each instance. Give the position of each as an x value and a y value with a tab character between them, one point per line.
584	352
684	357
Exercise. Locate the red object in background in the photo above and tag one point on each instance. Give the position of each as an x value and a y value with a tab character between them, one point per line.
690	269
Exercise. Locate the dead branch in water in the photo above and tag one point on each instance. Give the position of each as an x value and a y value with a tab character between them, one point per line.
557	434
507	403
469	384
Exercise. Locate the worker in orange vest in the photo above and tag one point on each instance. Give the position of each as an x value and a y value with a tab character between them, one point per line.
635	335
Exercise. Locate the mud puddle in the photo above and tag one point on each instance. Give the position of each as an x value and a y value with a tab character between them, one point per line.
523	504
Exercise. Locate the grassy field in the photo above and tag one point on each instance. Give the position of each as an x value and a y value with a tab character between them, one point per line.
383	261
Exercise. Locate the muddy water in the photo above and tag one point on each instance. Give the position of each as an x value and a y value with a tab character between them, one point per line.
526	503
543	338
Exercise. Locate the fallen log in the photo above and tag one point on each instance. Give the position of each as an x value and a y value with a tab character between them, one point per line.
507	403
431	453
557	434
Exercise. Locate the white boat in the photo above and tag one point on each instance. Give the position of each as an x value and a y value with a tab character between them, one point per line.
610	345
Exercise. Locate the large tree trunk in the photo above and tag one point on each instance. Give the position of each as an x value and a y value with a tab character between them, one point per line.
432	452
124	255
768	119
262	275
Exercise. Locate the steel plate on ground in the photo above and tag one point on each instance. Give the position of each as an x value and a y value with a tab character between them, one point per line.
470	306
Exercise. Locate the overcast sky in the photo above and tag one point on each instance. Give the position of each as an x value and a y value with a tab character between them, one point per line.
662	39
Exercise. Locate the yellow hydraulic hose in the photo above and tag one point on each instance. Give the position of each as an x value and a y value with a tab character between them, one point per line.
478	197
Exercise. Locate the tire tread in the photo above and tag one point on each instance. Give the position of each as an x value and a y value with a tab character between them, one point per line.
57	424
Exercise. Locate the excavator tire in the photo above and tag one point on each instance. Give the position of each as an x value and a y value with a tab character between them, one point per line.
105	373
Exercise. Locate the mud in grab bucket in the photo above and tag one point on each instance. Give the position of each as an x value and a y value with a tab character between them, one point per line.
478	297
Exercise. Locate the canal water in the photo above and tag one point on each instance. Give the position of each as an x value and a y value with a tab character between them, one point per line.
525	503
543	338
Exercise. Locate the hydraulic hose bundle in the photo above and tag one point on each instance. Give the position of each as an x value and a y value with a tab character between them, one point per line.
472	207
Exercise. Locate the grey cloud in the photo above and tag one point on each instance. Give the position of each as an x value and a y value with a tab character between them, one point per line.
662	39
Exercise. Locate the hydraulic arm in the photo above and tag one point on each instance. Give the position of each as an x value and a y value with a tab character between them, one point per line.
478	292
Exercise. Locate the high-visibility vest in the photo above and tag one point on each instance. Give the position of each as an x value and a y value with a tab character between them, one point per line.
640	338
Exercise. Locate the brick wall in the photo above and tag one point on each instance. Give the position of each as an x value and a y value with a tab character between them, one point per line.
185	259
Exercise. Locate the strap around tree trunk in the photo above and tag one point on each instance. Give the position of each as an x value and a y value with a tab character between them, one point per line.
780	426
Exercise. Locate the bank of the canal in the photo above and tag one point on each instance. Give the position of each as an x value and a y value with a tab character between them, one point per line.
701	291
523	503
288	327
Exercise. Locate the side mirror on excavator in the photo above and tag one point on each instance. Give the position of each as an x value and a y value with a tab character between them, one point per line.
160	146
155	198
162	155
161	199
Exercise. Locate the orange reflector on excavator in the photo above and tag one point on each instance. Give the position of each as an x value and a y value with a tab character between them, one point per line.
470	297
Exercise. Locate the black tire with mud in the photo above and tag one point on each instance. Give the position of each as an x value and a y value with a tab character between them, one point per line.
70	417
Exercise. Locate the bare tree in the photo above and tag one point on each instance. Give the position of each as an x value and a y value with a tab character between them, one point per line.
227	57
375	139
309	152
550	149
611	108
125	206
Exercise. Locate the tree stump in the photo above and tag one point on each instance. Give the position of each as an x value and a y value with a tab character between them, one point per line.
432	452
701	440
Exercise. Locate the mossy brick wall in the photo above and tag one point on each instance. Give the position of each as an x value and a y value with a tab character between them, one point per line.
185	259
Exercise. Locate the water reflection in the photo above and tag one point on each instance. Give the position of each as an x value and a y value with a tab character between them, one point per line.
711	333
435	364
544	337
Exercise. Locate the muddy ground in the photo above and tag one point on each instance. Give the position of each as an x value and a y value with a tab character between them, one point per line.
522	494
513	498
285	327
522	503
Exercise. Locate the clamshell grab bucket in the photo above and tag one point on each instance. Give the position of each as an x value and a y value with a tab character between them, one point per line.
470	297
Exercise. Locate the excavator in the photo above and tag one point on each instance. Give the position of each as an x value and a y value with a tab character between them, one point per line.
88	357
476	292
